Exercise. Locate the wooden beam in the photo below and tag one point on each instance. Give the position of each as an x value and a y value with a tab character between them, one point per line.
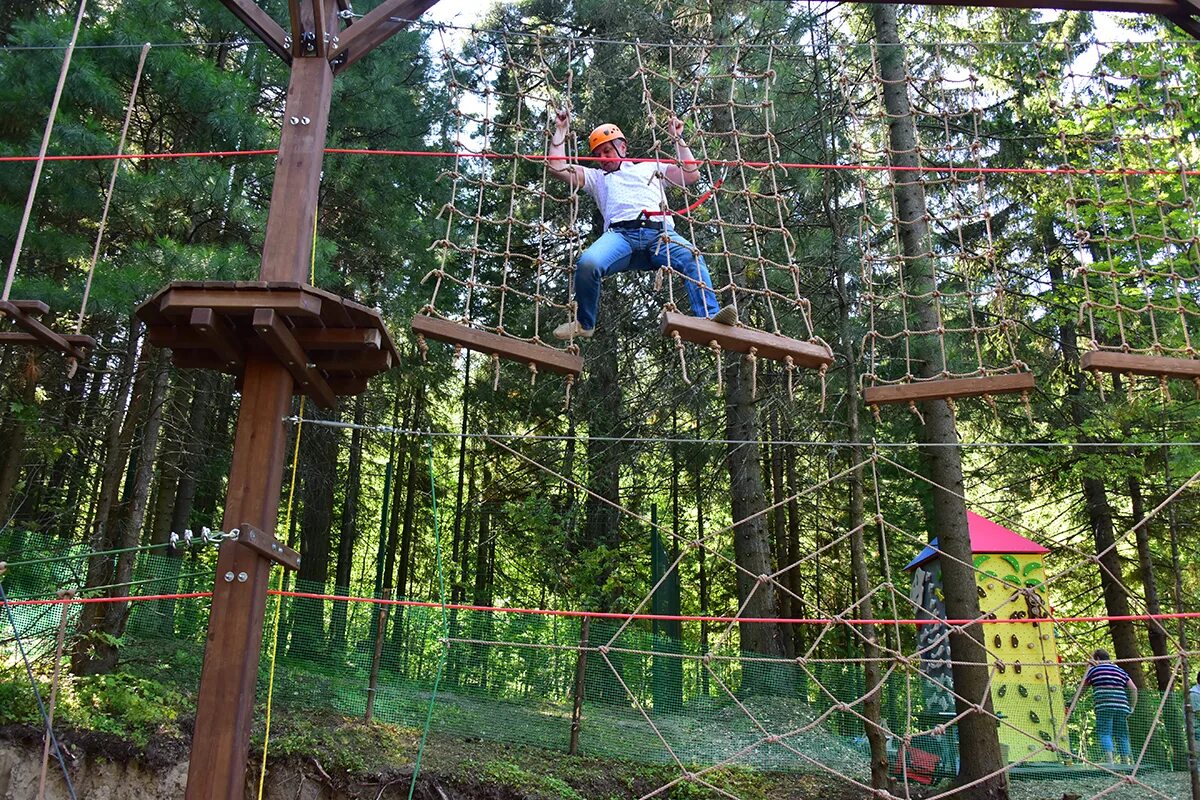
484	342
367	361
217	336
355	339
379	24
1130	363
738	339
266	545
43	335
278	338
225	707
79	341
261	24
287	246
34	308
949	389
296	303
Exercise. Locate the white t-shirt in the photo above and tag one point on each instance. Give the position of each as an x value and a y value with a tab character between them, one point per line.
624	194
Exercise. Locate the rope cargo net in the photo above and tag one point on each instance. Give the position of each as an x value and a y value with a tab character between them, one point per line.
691	698
513	234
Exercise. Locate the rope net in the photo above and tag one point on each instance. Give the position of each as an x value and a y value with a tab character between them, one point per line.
513	235
1134	233
667	675
958	269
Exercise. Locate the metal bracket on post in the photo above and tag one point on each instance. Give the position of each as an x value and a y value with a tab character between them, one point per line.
266	545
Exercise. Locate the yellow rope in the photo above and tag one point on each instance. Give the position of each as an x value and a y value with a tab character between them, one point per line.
287	525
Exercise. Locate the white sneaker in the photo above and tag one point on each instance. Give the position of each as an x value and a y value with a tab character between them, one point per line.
726	316
570	330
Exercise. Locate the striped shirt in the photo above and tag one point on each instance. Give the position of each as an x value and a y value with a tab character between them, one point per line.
624	194
1108	682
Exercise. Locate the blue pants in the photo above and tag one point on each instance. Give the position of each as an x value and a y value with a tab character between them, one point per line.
1110	721
620	249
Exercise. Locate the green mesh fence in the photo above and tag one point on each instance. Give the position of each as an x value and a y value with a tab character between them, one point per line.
510	677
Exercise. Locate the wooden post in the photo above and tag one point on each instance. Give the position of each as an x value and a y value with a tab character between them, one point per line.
377	657
580	681
225	708
65	595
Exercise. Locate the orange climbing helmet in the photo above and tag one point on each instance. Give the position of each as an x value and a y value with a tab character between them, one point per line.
605	133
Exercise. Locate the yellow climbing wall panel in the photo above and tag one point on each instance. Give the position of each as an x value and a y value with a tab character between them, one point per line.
1027	689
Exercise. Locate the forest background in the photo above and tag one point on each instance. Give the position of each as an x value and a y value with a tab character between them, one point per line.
129	449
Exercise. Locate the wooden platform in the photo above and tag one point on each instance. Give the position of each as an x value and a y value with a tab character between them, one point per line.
1132	364
739	339
24	314
949	389
331	345
506	347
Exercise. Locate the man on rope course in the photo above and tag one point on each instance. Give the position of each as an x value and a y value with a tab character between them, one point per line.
632	238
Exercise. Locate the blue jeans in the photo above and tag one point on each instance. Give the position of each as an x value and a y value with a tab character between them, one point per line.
1108	722
619	250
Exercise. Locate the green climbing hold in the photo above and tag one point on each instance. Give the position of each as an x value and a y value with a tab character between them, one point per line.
1012	562
1031	566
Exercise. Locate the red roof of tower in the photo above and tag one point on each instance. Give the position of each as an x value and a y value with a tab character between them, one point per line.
986	537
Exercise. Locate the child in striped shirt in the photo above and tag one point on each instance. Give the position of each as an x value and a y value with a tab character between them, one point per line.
1114	696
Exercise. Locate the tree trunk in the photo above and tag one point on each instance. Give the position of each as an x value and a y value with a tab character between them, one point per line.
14	440
318	466
602	399
1095	494
751	540
348	533
876	731
457	587
411	487
1154	627
982	763
117	438
1116	596
779	531
117	614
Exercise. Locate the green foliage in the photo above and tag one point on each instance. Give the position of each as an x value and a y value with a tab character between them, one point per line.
507	773
122	704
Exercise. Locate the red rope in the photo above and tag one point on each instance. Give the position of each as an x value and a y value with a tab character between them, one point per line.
550	612
714	162
685	211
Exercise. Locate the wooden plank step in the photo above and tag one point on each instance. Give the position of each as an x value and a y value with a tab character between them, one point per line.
485	342
951	388
739	339
1131	363
42	335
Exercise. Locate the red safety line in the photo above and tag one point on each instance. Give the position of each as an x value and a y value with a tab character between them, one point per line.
617	615
714	162
685	211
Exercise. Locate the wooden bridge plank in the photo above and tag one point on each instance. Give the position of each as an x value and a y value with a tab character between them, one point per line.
951	388
484	342
739	339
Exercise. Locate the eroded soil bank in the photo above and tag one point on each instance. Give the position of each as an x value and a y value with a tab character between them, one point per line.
104	768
